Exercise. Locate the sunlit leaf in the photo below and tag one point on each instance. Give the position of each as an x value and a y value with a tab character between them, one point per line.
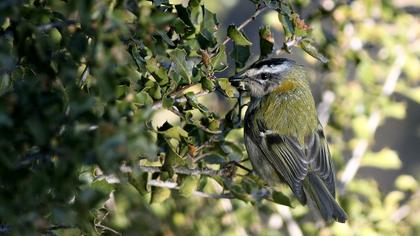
238	37
384	159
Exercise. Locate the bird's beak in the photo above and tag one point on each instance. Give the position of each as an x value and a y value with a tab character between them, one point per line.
238	81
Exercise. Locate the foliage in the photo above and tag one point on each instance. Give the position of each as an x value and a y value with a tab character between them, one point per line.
84	85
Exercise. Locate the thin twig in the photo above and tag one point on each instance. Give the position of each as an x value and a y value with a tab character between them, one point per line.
260	9
51	25
106	228
158	104
388	88
178	170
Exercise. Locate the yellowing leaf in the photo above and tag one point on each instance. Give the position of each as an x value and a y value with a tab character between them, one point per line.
226	86
406	183
188	186
384	159
176	133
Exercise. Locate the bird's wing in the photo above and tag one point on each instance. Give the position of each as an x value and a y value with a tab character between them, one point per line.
286	156
320	158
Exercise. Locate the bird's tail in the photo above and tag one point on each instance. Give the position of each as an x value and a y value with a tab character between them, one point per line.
321	199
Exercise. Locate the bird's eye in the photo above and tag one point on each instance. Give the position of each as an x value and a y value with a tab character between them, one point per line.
264	76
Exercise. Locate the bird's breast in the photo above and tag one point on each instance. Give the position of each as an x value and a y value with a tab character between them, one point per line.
290	112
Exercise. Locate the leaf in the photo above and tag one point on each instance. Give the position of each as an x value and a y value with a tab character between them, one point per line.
143	98
188	186
103	186
159	195
139	182
192	100
176	132
308	47
286	22
395	110
238	37
178	57
167	102
240	54
207	84
266	42
384	159
406	183
412	93
281	199
219	61
226	86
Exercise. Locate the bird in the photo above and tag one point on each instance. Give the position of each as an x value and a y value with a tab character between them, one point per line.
284	139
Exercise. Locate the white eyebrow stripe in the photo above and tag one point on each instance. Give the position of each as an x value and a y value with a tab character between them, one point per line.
268	69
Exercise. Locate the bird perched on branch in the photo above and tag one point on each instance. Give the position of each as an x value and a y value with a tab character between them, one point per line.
283	137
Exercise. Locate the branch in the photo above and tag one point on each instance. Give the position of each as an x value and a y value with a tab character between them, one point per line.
260	9
56	24
181	170
173	185
388	88
324	108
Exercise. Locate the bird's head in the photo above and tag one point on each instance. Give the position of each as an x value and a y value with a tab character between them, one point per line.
267	75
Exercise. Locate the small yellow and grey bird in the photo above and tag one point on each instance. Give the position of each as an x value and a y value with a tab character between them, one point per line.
284	138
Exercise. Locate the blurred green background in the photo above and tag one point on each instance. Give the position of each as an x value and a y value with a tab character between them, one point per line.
107	107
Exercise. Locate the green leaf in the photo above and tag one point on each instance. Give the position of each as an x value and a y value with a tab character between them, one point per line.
281	199
192	100
307	46
103	186
159	195
176	132
384	159
219	61
266	42
139	182
179	58
238	37
143	98
226	86
241	55
167	102
188	186
286	22
207	84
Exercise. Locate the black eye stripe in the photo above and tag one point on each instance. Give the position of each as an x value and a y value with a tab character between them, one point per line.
264	76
